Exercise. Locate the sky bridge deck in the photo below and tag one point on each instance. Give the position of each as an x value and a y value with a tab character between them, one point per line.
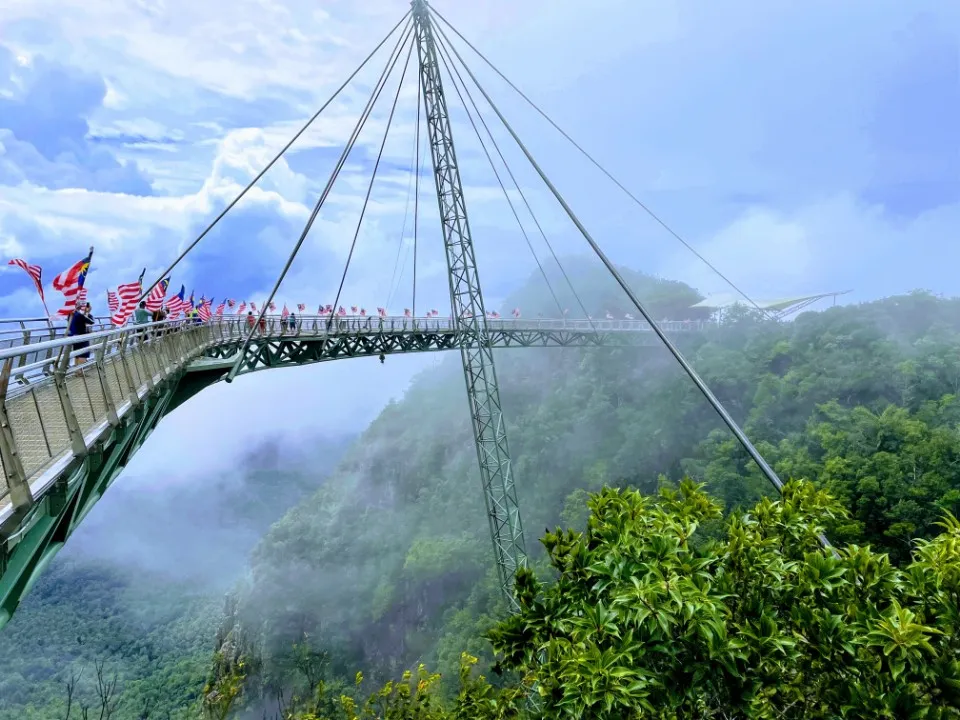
56	415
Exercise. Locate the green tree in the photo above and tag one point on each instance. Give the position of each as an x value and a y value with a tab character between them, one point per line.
645	622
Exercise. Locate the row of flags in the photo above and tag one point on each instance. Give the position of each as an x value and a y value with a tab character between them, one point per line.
122	302
70	283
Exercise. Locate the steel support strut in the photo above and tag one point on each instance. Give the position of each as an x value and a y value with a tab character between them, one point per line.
469	314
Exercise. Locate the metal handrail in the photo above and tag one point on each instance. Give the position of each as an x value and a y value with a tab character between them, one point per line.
357	322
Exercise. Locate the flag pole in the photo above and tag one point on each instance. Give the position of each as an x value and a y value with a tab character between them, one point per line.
89	265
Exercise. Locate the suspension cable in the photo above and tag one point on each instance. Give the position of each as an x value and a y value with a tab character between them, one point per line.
589	157
373	178
445	55
228	208
728	420
416	203
406	255
493	167
414	160
381	83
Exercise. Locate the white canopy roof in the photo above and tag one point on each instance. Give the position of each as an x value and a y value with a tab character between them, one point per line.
726	300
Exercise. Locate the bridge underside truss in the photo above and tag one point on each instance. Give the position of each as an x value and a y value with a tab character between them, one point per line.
277	352
186	363
44	529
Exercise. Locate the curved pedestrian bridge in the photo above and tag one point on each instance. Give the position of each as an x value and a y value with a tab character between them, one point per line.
67	430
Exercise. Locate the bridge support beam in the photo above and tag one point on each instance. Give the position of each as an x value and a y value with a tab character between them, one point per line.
470	317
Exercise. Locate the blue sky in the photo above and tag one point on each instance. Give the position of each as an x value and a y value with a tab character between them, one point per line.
800	146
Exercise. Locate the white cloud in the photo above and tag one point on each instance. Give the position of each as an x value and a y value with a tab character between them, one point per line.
690	107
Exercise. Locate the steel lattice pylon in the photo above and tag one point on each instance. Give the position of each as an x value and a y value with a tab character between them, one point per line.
483	394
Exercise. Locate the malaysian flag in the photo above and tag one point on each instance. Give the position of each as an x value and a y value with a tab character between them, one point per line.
406	312
341	311
203	309
34	271
177	304
231	304
241	308
70	283
128	294
273	307
113	302
516	312
286	313
353	309
363	313
301	307
220	308
155	299
382	312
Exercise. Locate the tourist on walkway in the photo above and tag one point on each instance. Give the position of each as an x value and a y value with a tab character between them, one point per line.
80	323
141	316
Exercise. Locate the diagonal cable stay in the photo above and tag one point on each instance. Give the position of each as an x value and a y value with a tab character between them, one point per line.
303	129
503	187
448	62
373	178
381	83
728	420
609	175
414	160
416	207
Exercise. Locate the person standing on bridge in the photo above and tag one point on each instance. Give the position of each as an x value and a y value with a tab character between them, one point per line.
80	323
141	316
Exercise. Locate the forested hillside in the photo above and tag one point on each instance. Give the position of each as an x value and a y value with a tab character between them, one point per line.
390	562
387	563
139	588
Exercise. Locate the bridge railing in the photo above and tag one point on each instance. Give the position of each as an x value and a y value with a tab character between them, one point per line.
58	407
36	350
52	408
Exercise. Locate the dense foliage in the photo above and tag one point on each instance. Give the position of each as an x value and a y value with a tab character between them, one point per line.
387	565
647	618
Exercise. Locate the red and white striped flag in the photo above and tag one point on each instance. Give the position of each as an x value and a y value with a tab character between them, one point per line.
220	308
433	313
382	312
363	312
286	313
241	308
301	307
113	302
203	309
175	306
70	283
34	271
353	309
406	312
231	304
341	312
516	312
273	307
128	293
155	299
